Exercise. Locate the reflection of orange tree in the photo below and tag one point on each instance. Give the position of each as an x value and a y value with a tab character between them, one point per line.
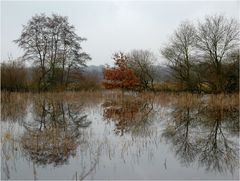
54	134
129	115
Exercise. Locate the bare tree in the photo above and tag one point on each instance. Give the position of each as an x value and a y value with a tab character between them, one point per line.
217	36
142	63
52	44
180	54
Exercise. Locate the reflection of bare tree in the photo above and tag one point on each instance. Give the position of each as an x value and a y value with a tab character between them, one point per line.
218	151
204	136
180	135
55	133
129	115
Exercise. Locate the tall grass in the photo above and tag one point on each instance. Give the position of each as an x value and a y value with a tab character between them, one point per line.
223	100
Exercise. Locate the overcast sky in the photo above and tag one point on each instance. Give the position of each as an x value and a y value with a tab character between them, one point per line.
111	26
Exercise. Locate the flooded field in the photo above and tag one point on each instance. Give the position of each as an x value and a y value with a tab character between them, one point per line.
104	136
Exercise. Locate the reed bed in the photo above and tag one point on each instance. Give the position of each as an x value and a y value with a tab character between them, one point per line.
18	100
13	105
223	101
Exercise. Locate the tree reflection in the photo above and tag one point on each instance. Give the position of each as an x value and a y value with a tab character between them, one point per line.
55	133
130	115
205	135
180	134
218	151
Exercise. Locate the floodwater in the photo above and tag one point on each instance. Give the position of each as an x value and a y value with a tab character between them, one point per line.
74	136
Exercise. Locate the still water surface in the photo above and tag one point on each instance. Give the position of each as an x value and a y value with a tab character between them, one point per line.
102	136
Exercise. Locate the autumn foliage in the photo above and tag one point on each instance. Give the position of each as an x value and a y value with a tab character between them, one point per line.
120	76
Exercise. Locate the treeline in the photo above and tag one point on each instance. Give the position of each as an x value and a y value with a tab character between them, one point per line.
15	76
205	56
202	58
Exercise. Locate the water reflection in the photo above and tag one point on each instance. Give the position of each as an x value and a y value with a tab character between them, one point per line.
203	134
55	132
218	151
97	138
13	107
129	115
179	133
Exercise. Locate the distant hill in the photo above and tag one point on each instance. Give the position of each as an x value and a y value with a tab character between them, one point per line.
94	70
162	73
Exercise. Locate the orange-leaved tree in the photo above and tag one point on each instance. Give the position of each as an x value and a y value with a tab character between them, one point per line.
120	76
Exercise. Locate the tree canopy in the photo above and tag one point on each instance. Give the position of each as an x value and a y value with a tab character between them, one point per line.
120	76
53	46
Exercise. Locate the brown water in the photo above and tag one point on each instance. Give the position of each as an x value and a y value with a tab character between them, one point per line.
102	136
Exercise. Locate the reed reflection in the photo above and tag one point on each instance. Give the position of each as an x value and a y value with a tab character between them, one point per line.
13	107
